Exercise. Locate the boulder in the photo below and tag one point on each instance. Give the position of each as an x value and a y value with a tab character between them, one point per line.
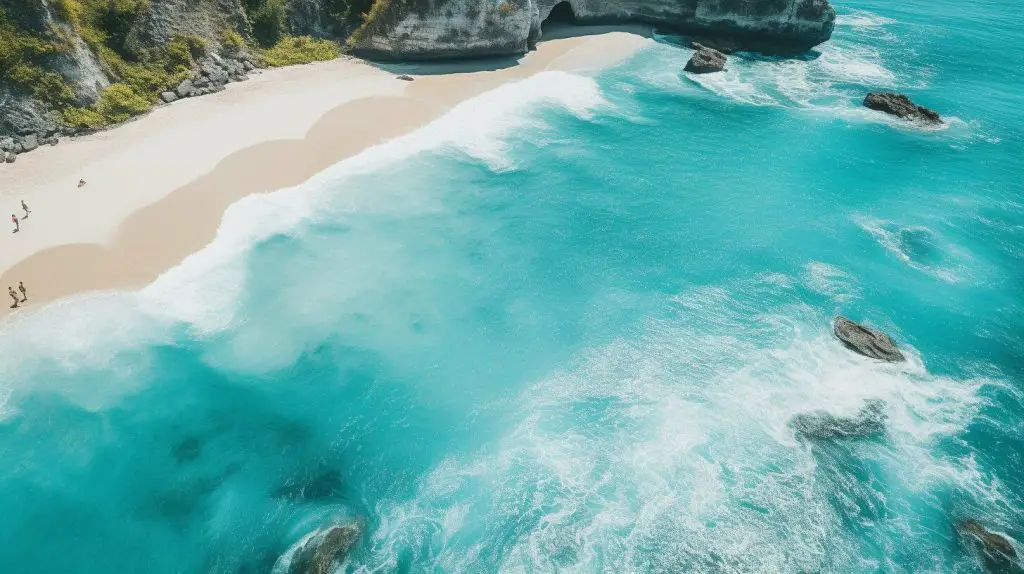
325	548
705	60
995	550
185	89
900	106
168	97
200	81
29	143
6	143
218	77
868	423
866	341
11	157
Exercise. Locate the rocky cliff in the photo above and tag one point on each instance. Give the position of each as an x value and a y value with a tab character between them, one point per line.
73	65
424	29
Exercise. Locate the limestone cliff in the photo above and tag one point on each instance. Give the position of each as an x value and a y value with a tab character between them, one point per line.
73	65
403	29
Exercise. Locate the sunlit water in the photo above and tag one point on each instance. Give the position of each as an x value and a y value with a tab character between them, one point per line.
564	329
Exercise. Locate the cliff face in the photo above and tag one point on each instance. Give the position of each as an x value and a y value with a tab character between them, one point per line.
488	27
72	65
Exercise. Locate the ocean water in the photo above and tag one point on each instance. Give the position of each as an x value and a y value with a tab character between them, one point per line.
564	328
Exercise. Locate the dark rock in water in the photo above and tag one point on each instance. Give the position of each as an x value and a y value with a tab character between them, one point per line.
186	450
29	142
405	78
866	341
901	106
869	422
705	60
326	484
324	549
168	97
919	245
995	550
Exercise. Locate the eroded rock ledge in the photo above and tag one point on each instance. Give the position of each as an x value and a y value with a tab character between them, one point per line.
464	28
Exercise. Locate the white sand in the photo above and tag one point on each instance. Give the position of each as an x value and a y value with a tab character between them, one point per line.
157	187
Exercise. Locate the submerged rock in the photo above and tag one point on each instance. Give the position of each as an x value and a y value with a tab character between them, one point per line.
900	106
705	60
186	450
995	550
868	423
405	78
325	484
325	548
866	341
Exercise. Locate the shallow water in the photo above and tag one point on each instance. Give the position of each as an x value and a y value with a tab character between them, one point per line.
565	328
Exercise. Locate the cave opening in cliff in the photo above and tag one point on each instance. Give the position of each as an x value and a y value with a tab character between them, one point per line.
561	16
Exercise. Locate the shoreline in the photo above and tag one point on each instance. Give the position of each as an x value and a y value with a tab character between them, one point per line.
158	187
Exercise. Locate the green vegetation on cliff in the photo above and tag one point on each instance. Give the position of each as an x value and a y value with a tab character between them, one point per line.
292	50
40	39
22	55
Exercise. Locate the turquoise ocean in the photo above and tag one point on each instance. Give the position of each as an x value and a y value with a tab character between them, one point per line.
564	328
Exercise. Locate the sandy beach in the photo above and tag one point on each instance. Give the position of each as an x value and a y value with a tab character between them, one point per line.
157	187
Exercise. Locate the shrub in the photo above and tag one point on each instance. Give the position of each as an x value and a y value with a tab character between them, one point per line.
182	51
231	40
300	50
268	25
82	118
506	8
119	102
21	55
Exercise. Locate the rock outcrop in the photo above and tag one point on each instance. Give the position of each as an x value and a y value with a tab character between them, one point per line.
868	423
866	341
995	550
461	28
325	548
705	60
900	106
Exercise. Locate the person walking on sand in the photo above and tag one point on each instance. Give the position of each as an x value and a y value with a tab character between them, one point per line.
24	292
24	207
14	296
17	226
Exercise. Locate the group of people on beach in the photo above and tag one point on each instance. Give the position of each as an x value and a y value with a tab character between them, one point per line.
14	294
17	227
16	221
21	284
